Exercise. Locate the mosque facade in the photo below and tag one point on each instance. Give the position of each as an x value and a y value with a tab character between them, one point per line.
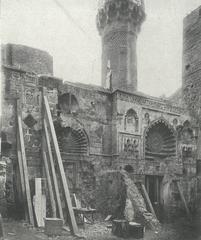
107	127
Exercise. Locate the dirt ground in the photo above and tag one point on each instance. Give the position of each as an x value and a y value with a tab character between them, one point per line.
181	230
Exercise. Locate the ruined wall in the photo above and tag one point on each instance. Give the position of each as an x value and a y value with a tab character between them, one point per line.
93	114
27	58
90	114
191	82
21	91
22	87
191	49
97	130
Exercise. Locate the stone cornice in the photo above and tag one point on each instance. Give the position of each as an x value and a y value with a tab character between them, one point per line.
151	103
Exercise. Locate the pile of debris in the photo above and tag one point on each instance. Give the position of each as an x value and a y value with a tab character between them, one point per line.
119	196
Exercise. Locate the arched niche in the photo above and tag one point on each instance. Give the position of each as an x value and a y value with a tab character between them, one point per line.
159	141
67	103
70	140
131	121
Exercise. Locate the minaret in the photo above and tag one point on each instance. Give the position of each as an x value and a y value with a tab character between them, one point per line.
119	22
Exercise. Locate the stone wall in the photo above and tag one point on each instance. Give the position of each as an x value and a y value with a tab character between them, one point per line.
93	115
192	87
27	58
191	61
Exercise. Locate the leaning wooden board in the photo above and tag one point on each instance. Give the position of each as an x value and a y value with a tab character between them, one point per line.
53	171
22	181
183	199
51	193
147	200
67	199
25	171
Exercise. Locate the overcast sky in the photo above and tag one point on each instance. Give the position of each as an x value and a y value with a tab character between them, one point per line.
74	42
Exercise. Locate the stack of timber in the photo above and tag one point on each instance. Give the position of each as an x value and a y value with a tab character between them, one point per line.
50	139
54	179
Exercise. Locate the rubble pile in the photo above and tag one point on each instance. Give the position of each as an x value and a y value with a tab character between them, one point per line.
115	191
140	212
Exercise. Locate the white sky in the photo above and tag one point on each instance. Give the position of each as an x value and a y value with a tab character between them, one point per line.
77	54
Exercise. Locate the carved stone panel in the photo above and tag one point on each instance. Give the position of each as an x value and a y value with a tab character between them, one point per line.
129	144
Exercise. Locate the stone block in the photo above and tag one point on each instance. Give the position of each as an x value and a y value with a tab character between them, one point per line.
53	226
135	230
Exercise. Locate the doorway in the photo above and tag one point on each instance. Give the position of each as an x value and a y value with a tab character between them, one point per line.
153	186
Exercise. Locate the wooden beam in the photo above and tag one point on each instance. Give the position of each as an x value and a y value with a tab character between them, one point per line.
20	164
67	199
51	193
147	199
183	199
25	170
2	235
53	172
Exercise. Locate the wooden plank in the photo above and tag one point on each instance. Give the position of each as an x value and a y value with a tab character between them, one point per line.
25	170
19	157
147	199
108	218
21	169
157	190
147	185
77	204
2	235
183	199
39	203
67	199
51	193
53	172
